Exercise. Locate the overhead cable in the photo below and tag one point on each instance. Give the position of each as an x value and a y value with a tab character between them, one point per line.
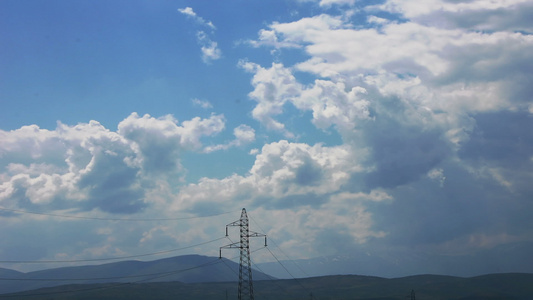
157	276
110	219
281	250
108	258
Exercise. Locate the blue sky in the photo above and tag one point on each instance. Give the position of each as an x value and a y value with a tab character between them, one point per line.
338	124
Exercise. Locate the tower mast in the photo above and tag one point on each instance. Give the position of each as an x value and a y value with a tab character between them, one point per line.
246	290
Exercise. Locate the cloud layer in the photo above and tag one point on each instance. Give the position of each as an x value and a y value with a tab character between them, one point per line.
432	104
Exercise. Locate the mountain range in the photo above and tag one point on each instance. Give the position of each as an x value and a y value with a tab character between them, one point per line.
512	286
195	269
185	269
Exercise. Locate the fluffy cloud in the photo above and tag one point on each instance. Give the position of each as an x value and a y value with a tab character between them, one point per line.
298	185
272	89
288	174
87	166
411	100
414	90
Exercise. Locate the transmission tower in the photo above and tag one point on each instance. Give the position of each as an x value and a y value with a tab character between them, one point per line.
246	289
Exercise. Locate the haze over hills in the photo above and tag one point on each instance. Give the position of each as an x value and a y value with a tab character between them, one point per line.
186	269
203	277
8	273
197	268
393	264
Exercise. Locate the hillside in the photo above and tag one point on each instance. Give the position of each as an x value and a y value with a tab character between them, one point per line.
187	269
427	287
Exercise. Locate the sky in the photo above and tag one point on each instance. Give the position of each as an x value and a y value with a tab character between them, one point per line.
137	127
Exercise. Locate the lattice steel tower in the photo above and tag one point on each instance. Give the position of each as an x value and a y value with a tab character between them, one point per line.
246	289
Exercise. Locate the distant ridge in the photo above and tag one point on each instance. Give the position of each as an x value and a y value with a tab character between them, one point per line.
507	258
515	286
186	269
9	273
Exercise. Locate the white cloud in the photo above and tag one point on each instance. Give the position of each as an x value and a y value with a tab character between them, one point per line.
269	38
272	89
202	103
300	186
433	120
195	128
188	11
209	48
244	134
437	175
376	20
411	9
282	170
333	106
337	2
329	102
431	69
408	97
210	52
512	15
87	166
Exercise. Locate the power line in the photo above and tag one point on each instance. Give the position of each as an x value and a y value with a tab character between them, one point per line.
275	257
105	259
237	274
298	281
246	289
85	279
258	268
160	274
281	250
157	276
272	279
111	219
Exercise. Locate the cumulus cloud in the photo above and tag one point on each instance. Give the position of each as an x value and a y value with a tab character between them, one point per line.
424	79
299	186
87	166
285	173
411	100
272	89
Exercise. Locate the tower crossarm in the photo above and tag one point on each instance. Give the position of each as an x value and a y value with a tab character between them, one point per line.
230	246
